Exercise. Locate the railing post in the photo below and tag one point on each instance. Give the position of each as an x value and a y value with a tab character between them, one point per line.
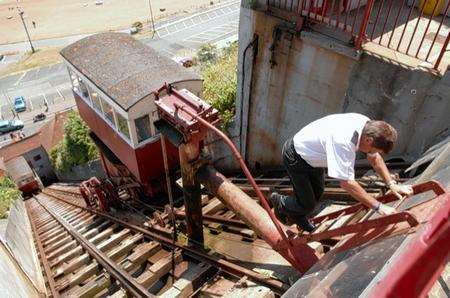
443	50
365	21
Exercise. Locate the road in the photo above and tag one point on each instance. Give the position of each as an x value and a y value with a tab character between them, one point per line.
51	84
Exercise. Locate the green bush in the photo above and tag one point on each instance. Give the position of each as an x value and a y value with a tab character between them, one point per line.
207	53
220	83
76	148
8	194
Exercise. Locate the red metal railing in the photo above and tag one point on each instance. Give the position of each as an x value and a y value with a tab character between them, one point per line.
401	25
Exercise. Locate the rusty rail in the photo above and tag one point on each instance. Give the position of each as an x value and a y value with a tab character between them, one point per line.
391	23
119	274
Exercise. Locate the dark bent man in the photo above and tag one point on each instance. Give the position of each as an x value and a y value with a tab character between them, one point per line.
331	142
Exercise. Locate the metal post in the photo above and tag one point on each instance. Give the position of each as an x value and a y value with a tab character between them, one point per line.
362	30
26	30
189	153
441	54
169	193
152	18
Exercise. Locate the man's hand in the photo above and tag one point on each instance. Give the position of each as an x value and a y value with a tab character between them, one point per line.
383	209
400	189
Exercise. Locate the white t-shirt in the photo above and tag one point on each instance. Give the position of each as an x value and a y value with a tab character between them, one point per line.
331	142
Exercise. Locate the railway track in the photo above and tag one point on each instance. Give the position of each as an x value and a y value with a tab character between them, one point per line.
85	253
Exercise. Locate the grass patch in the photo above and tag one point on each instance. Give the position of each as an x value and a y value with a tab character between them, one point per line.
8	194
42	57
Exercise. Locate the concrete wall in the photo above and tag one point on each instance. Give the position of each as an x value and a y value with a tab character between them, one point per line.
415	102
315	76
13	282
19	241
83	172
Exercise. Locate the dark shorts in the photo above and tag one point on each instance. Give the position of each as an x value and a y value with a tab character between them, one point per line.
308	183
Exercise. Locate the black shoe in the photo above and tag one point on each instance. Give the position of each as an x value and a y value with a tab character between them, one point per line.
304	224
274	200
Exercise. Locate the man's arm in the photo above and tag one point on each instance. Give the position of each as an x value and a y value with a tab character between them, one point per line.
377	163
358	193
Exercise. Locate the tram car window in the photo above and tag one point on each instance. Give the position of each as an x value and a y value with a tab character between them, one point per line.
143	128
108	112
123	127
95	100
121	76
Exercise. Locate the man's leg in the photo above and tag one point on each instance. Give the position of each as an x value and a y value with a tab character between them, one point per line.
295	208
303	201
317	179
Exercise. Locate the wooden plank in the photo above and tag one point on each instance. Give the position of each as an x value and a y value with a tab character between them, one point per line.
188	281
84	259
92	288
158	270
213	206
63	249
139	255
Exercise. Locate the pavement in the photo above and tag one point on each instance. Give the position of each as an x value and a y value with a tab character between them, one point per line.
51	85
9	59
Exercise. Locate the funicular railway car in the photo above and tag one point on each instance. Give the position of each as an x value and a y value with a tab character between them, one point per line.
23	175
114	78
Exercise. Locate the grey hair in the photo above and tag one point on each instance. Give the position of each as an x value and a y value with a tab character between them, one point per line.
383	134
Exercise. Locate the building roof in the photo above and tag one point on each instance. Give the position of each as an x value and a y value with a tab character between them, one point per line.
123	67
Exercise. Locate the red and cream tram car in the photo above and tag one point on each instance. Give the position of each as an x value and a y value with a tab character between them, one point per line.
114	77
23	175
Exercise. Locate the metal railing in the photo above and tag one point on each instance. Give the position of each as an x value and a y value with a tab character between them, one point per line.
417	28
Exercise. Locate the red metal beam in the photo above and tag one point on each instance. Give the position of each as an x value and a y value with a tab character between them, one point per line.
384	221
416	270
431	185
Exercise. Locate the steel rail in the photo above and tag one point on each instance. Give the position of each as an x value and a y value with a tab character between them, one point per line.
181	215
44	260
118	273
227	266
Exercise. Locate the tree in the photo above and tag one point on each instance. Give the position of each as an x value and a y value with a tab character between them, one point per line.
76	148
8	194
220	83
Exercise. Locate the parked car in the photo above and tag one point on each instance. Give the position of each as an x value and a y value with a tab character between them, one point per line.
19	104
185	61
10	125
39	117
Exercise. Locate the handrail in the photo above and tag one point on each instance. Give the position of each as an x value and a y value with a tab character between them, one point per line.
391	23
